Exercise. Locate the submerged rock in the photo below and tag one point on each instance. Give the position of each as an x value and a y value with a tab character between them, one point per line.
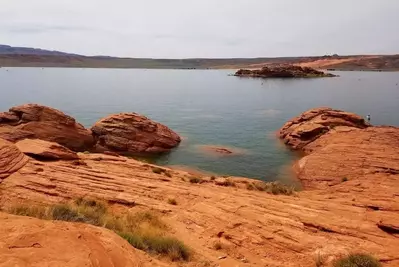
283	71
40	122
133	133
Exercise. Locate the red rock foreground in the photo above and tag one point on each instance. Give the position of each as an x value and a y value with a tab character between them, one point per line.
37	243
283	71
251	228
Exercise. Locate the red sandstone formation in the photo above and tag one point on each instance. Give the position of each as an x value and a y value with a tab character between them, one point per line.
133	133
40	122
310	125
45	150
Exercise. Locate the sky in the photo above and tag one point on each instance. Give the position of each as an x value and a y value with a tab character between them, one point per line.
203	28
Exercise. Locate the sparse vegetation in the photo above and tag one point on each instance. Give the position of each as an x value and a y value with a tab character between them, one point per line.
195	180
345	179
172	201
217	245
250	186
357	260
143	230
275	188
158	170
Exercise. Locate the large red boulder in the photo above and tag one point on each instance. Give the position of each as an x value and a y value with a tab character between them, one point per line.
310	125
133	133
40	122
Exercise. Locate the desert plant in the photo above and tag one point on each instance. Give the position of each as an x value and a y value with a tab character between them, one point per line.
172	201
357	260
274	188
217	245
158	170
143	230
195	180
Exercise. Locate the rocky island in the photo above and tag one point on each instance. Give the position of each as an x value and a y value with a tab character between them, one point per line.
86	204
283	71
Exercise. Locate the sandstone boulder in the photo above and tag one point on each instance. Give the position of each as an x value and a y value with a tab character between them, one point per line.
310	125
11	159
32	242
41	122
45	150
133	133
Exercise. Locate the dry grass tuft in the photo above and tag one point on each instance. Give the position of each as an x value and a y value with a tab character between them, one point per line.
275	188
195	180
143	230
357	260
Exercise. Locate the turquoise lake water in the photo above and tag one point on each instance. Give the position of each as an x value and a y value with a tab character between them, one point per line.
206	107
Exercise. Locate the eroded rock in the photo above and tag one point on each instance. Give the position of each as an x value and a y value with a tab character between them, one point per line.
40	122
133	133
310	125
45	150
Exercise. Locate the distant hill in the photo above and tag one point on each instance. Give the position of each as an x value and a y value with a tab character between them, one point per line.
33	57
10	50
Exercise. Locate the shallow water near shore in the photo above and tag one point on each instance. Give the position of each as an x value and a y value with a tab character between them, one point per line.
206	107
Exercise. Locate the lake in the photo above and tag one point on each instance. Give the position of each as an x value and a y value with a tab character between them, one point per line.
206	107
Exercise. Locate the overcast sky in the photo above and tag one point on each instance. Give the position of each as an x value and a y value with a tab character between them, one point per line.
203	28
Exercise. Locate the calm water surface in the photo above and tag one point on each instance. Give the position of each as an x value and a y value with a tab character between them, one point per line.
206	107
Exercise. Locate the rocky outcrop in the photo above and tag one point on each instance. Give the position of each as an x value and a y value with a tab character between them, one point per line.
40	122
283	71
32	242
11	159
347	156
133	133
310	125
45	150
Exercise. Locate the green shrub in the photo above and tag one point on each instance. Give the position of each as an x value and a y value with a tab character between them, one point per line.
172	201
357	260
195	180
250	186
217	245
66	213
158	170
275	188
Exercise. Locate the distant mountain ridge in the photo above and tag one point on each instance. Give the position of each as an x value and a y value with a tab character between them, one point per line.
11	50
34	57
